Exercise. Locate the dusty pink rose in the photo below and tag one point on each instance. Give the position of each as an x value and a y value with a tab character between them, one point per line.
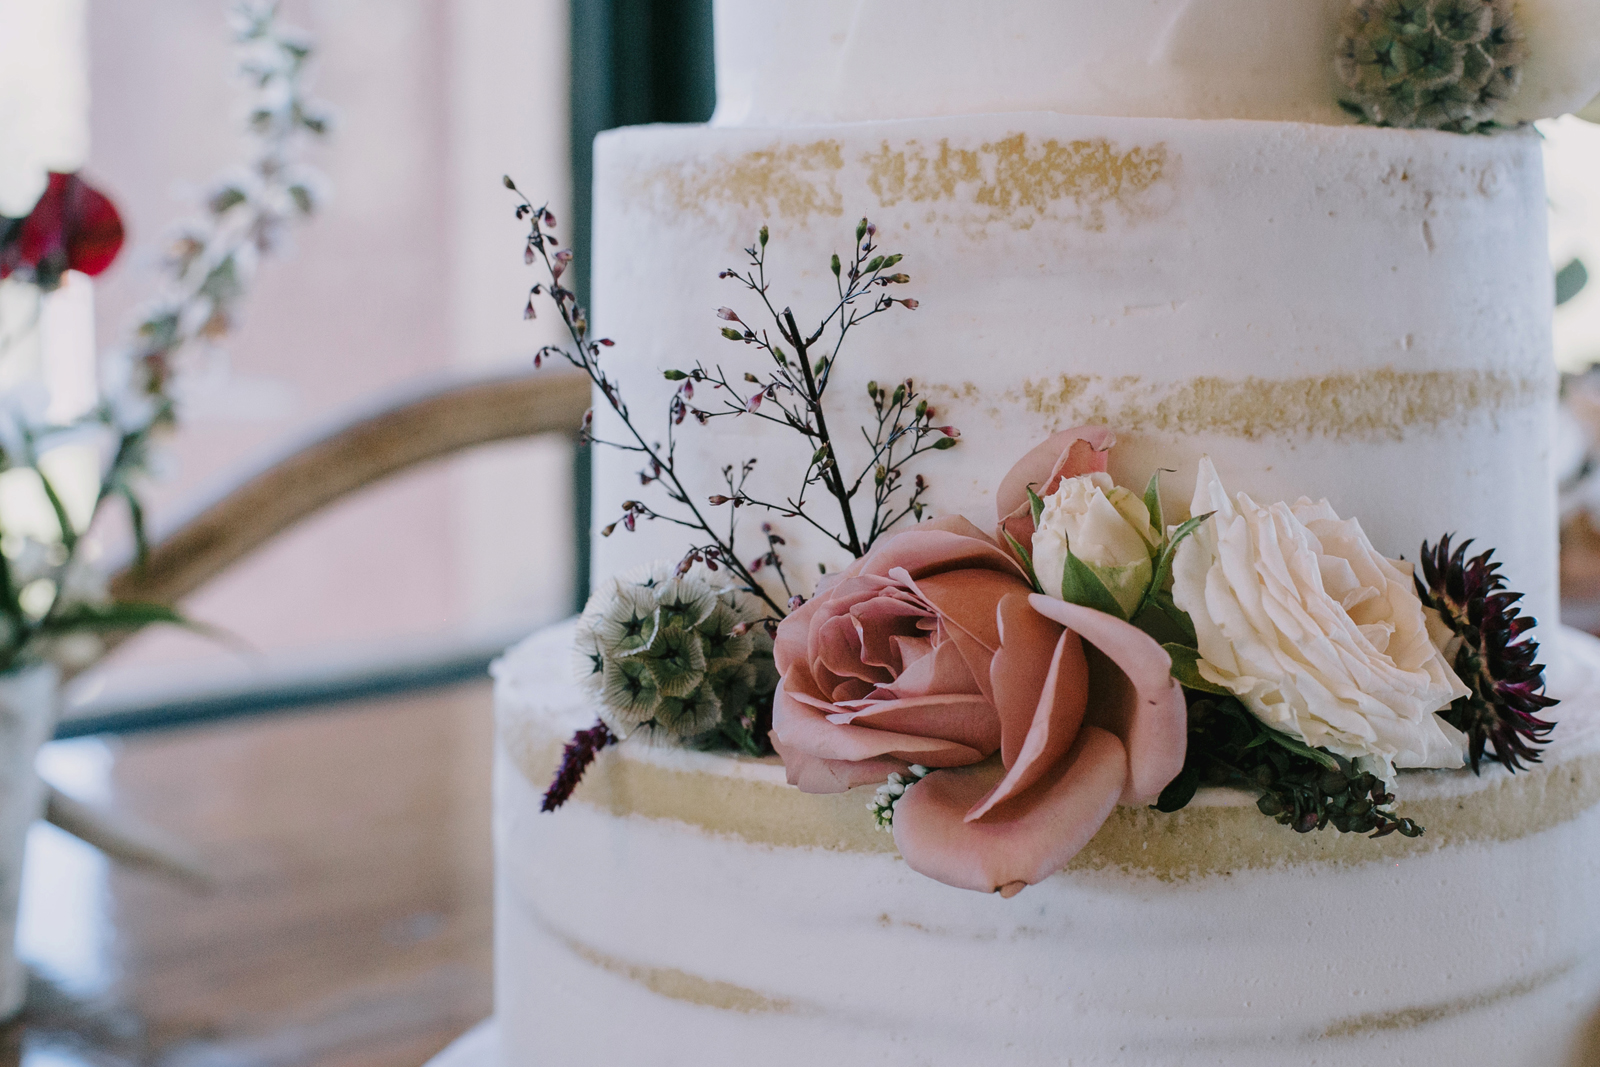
1068	454
932	649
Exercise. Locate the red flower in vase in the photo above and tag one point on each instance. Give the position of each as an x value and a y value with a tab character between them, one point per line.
72	227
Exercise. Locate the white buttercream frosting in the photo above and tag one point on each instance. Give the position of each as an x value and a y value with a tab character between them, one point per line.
806	61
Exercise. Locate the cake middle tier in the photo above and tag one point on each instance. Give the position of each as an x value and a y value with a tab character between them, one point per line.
1355	314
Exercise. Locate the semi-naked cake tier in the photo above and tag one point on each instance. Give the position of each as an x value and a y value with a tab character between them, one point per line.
1340	312
692	909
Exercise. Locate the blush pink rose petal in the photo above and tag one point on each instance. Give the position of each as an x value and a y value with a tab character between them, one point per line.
1010	850
1140	701
1089	716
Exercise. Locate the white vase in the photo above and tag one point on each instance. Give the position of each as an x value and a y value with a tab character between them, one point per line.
27	718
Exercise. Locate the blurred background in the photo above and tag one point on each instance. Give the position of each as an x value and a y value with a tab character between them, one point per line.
346	916
330	773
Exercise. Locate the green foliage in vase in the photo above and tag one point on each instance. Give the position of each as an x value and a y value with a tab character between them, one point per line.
54	598
1430	64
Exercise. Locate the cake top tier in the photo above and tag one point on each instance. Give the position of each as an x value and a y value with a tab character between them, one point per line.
784	62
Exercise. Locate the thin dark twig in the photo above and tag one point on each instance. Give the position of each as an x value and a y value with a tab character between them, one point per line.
585	356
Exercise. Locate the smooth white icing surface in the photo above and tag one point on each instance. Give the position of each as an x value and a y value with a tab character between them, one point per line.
642	940
1338	312
808	61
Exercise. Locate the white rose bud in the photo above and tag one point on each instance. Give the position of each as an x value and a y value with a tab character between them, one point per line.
1319	635
1105	526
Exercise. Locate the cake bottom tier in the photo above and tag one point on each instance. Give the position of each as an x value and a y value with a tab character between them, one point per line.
688	909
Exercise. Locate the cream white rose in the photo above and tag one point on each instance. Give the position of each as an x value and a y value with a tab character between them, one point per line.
1318	634
1106	526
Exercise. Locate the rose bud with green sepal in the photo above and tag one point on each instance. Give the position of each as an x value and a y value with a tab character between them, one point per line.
1105	526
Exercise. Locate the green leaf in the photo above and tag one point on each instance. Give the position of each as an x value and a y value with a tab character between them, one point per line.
1175	615
1163	571
1170	549
674	375
1161	626
1037	505
101	618
1179	791
1027	561
1152	501
835	264
1081	585
1186	669
69	535
8	594
1300	748
731	334
1570	281
222	282
226	198
141	542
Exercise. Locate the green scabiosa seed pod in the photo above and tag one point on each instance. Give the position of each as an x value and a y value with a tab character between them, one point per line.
671	657
1429	64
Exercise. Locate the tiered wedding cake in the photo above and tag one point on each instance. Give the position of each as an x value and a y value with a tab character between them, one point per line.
1157	220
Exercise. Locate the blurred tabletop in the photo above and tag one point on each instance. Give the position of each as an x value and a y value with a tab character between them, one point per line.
349	923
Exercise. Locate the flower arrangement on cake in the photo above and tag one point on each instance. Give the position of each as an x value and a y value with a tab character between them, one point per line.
1006	688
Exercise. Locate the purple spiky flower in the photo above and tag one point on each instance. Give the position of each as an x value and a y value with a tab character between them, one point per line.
575	759
1491	652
